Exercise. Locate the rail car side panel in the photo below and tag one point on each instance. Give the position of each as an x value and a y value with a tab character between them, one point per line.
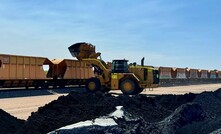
204	74
21	67
213	74
20	71
27	72
194	74
165	73
180	73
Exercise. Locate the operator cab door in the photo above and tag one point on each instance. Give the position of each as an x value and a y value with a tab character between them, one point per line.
156	78
118	68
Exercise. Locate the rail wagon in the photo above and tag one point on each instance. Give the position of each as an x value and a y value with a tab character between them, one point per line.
28	71
170	76
69	72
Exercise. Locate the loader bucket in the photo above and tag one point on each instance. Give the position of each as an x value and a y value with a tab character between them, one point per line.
82	50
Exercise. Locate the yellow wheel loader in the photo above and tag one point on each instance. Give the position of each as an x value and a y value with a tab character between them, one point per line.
119	75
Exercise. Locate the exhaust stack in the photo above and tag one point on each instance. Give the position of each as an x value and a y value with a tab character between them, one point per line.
142	61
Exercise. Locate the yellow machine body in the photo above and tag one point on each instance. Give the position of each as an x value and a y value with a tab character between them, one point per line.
118	75
116	78
146	75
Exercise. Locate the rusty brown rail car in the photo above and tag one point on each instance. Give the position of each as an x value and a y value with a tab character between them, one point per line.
182	76
27	71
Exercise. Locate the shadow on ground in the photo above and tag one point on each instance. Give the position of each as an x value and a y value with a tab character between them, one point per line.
14	93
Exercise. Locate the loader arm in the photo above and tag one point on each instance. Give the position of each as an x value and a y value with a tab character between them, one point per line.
86	52
101	70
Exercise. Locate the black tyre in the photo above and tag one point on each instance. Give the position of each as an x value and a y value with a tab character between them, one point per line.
93	85
129	87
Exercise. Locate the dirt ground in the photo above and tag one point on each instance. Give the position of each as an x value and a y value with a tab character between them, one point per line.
179	89
22	107
183	89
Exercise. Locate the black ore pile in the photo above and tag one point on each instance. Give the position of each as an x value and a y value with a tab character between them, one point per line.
78	107
211	104
8	123
69	109
167	114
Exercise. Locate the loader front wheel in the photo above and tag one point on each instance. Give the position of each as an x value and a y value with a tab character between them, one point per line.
128	86
93	85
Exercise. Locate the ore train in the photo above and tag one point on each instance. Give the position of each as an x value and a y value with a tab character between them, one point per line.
89	70
26	71
188	76
29	71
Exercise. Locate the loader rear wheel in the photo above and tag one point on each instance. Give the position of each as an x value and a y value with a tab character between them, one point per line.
93	85
129	87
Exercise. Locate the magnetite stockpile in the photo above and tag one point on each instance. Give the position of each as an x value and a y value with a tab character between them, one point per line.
189	113
8	123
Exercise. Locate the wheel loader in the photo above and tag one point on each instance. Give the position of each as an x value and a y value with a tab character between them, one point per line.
130	79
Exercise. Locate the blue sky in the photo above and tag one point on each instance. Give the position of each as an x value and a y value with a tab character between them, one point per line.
174	33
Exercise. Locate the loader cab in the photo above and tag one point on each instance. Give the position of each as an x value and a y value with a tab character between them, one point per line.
119	66
156	78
